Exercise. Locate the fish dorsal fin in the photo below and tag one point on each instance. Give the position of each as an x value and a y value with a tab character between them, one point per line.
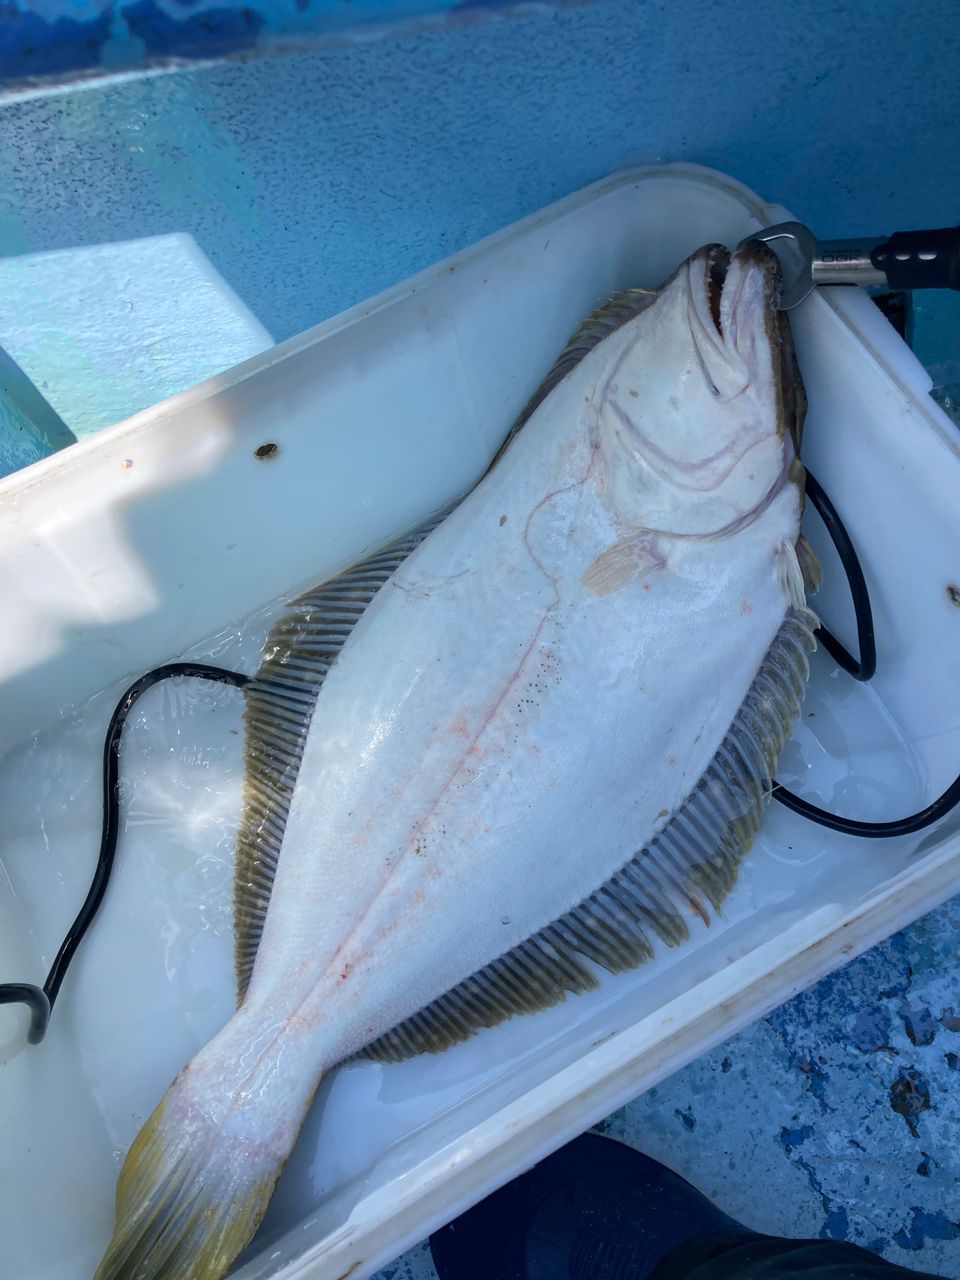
300	650
615	312
695	856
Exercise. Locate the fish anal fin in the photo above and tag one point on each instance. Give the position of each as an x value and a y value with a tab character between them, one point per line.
633	555
280	700
696	855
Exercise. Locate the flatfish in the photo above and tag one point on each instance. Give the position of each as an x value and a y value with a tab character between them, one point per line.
517	747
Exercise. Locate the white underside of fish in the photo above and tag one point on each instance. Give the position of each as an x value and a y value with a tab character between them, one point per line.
495	740
520	709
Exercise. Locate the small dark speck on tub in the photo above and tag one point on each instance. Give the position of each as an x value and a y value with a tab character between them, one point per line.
953	594
266	451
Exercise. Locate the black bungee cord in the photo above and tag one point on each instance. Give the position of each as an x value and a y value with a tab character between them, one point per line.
40	1000
866	668
863	669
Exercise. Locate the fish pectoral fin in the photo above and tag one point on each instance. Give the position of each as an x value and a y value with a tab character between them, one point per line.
790	575
635	555
809	566
280	699
695	855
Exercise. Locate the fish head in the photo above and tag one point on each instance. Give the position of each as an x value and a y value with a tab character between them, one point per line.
697	405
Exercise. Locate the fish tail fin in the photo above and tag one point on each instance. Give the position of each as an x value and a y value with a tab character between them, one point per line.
197	1181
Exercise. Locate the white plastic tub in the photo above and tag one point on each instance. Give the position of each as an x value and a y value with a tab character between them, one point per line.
166	530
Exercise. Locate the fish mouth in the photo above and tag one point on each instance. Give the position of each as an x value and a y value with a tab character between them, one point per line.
717	265
726	274
731	296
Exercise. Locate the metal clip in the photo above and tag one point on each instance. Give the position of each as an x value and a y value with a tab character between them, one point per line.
906	260
795	246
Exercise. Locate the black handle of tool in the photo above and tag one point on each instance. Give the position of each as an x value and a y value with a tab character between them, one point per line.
920	259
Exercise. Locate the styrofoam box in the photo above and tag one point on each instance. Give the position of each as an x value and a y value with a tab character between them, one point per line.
135	547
